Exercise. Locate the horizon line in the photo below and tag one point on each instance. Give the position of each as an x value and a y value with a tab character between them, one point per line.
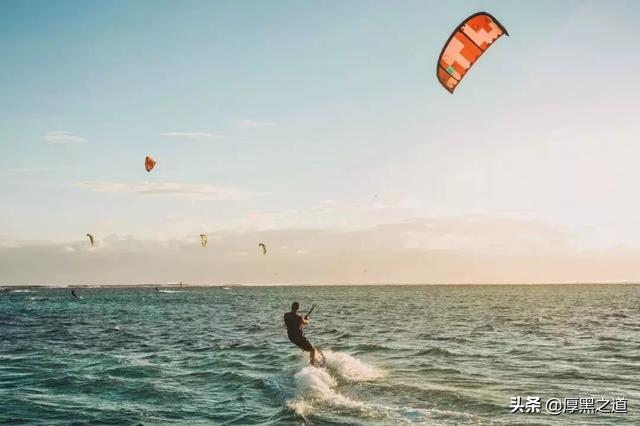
187	285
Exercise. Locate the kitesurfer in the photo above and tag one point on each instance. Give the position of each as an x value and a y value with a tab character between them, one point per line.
294	323
74	294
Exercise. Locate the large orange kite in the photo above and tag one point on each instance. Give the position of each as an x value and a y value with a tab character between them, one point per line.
466	44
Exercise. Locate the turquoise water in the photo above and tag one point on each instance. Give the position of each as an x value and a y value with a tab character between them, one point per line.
394	355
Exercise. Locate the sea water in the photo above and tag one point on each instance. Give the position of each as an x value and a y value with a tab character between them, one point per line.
392	355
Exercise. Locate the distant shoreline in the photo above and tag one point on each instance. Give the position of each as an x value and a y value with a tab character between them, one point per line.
87	286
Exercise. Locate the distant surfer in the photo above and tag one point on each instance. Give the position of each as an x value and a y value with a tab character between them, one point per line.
294	323
74	294
157	290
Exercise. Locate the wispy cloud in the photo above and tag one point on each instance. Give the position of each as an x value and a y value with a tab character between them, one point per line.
245	122
63	137
195	135
32	169
168	189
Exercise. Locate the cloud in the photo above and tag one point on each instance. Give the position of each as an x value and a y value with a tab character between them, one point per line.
248	123
525	252
63	137
168	189
195	135
33	169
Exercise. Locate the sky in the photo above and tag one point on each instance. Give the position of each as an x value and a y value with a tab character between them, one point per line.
320	129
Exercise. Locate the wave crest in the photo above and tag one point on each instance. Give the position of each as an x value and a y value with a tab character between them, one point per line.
318	384
349	367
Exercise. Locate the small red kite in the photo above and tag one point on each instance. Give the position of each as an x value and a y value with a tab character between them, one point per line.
149	163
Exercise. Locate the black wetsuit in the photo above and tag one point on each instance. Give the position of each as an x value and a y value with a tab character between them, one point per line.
293	322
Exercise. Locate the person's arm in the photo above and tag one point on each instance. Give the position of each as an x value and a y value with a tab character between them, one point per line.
303	321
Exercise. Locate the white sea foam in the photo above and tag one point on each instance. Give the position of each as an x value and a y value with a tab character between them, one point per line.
318	385
318	388
349	367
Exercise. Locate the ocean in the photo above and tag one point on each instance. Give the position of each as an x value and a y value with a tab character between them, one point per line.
436	355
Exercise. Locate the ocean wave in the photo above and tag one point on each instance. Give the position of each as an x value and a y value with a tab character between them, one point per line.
349	367
572	374
420	368
238	346
370	347
428	336
518	351
344	336
133	371
627	357
318	389
438	370
438	394
610	339
484	327
435	351
318	383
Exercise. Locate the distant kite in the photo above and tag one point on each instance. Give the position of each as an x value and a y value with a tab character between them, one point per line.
466	44
264	248
91	239
203	240
149	163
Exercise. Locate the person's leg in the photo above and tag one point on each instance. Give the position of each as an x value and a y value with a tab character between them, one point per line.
306	346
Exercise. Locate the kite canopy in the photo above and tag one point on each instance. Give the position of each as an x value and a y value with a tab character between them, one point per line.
203	240
91	239
264	248
466	44
149	163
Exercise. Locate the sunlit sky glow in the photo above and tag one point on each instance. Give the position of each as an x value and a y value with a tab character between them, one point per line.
320	129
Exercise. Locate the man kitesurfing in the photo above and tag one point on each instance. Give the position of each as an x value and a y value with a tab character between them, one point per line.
295	323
